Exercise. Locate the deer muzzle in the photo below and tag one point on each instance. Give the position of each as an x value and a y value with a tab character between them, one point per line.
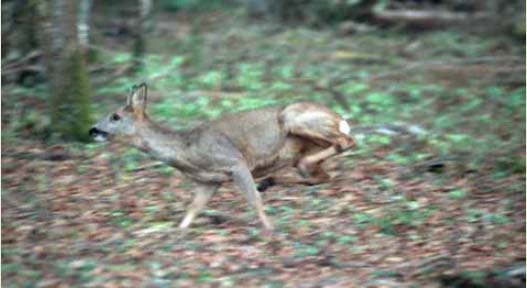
98	135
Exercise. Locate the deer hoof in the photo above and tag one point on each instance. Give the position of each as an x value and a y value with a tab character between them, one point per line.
265	184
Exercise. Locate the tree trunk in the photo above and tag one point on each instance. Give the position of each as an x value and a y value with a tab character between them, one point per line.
69	83
143	23
84	23
21	28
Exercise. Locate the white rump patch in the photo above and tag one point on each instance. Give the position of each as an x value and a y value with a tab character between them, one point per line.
344	127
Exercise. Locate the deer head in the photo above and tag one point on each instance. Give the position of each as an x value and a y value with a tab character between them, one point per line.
122	124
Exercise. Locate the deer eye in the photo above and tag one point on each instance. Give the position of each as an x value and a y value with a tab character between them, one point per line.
115	117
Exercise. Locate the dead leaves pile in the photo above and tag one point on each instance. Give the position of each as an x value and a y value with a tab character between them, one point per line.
81	222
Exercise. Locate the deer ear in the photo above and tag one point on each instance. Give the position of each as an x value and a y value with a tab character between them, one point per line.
138	97
130	95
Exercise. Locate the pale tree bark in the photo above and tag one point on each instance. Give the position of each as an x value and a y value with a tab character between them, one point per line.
84	23
144	13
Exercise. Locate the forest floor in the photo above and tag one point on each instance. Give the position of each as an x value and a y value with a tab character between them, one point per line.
439	202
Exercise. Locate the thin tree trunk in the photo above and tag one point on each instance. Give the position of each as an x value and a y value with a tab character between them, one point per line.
144	12
84	23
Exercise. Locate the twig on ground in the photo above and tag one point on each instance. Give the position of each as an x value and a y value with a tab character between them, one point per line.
147	166
427	17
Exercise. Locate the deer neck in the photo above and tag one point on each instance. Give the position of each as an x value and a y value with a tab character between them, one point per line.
158	141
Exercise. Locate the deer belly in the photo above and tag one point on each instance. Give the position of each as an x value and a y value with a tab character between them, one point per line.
285	155
208	176
260	146
265	158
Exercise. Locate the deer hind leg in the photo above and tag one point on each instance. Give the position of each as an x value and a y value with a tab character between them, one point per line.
309	165
266	183
310	168
323	145
202	195
307	156
307	151
244	181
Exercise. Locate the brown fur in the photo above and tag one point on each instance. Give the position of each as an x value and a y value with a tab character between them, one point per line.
235	147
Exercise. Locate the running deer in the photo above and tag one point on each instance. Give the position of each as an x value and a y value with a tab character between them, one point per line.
234	148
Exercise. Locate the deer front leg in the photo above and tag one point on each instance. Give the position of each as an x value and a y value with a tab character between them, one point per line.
244	181
202	195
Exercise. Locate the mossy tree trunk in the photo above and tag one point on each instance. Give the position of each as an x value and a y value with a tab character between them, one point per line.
70	102
69	82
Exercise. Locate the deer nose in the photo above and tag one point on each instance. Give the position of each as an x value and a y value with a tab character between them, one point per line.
94	131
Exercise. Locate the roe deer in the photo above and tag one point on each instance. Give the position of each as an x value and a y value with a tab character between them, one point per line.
235	147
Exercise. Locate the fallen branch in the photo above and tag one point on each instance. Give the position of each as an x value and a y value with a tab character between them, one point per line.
147	166
23	68
24	64
122	70
22	61
426	17
411	66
